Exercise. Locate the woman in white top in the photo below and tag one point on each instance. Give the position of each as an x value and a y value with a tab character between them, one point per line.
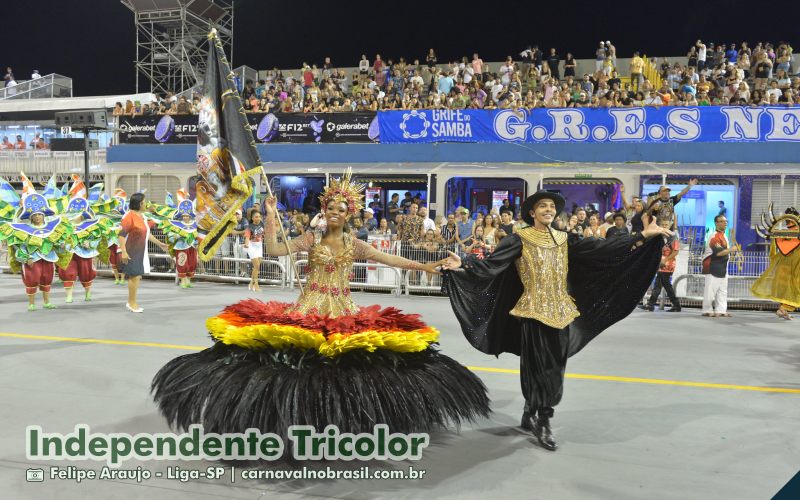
489	228
593	229
363	67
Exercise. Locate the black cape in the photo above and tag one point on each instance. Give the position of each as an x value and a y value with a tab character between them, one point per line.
606	278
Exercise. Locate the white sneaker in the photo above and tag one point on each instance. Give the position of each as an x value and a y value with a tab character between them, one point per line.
137	310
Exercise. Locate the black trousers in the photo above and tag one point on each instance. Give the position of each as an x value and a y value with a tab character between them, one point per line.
543	361
664	280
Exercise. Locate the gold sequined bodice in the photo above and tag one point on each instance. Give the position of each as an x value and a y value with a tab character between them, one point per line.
327	290
543	270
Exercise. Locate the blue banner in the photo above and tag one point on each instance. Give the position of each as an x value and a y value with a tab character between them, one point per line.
651	124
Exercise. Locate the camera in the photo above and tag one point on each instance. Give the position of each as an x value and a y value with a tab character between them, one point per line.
34	475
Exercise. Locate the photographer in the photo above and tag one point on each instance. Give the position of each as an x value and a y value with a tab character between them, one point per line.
476	245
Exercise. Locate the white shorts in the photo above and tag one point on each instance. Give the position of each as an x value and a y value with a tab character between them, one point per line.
255	250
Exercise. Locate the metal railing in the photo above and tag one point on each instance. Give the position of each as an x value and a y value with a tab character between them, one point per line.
744	268
46	87
44	163
232	265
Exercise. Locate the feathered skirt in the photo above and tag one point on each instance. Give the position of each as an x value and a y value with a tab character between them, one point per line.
270	368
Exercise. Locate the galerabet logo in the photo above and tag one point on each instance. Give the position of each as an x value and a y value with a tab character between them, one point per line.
417	117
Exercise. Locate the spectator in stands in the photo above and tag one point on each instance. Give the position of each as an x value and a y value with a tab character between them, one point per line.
378	69
506	207
118	110
369	220
490	225
248	91
464	225
476	245
611	51
449	231
639	219
297	225
394	206
360	229
506	222
20	144
406	203
732	54
363	68
37	142
569	65
582	223
446	83
637	67
763	70
383	229
619	228
6	143
599	58
427	222
553	60
663	206
665	270
593	228
477	67
701	55
9	77
412	227
478	222
573	227
608	221
431	60
184	108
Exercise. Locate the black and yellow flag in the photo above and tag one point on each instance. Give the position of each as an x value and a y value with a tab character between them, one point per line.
226	153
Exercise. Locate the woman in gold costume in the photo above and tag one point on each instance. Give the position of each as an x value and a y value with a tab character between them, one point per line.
321	360
781	281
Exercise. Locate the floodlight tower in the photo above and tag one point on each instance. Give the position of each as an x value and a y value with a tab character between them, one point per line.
171	46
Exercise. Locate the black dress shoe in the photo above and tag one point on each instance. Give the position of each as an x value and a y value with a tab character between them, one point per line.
647	307
542	431
674	310
527	421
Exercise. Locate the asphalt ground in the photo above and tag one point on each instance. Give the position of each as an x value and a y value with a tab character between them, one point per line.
659	406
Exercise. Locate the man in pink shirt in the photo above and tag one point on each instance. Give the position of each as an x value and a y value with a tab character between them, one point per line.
477	67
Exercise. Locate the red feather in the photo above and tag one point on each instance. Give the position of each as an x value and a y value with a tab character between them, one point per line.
252	311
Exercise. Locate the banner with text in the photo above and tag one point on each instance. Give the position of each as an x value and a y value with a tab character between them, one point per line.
607	125
266	127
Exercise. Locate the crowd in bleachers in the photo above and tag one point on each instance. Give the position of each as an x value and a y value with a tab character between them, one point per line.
713	75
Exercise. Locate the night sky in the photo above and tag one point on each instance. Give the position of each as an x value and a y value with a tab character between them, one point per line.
92	41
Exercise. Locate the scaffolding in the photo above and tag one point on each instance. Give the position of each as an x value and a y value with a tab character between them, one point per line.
171	47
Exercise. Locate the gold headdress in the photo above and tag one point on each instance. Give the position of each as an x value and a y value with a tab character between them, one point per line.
345	191
782	226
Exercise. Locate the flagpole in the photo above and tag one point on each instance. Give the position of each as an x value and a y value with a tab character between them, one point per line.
283	232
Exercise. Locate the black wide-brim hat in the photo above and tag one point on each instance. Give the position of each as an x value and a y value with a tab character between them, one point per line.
531	200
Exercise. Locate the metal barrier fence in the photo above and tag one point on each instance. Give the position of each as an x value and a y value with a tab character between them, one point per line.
743	269
231	264
45	87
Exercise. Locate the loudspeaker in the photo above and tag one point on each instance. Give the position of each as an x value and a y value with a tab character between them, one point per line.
85	118
75	144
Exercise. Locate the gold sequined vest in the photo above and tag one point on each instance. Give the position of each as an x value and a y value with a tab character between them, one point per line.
543	271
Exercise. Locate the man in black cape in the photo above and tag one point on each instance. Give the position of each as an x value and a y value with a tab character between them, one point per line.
543	295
